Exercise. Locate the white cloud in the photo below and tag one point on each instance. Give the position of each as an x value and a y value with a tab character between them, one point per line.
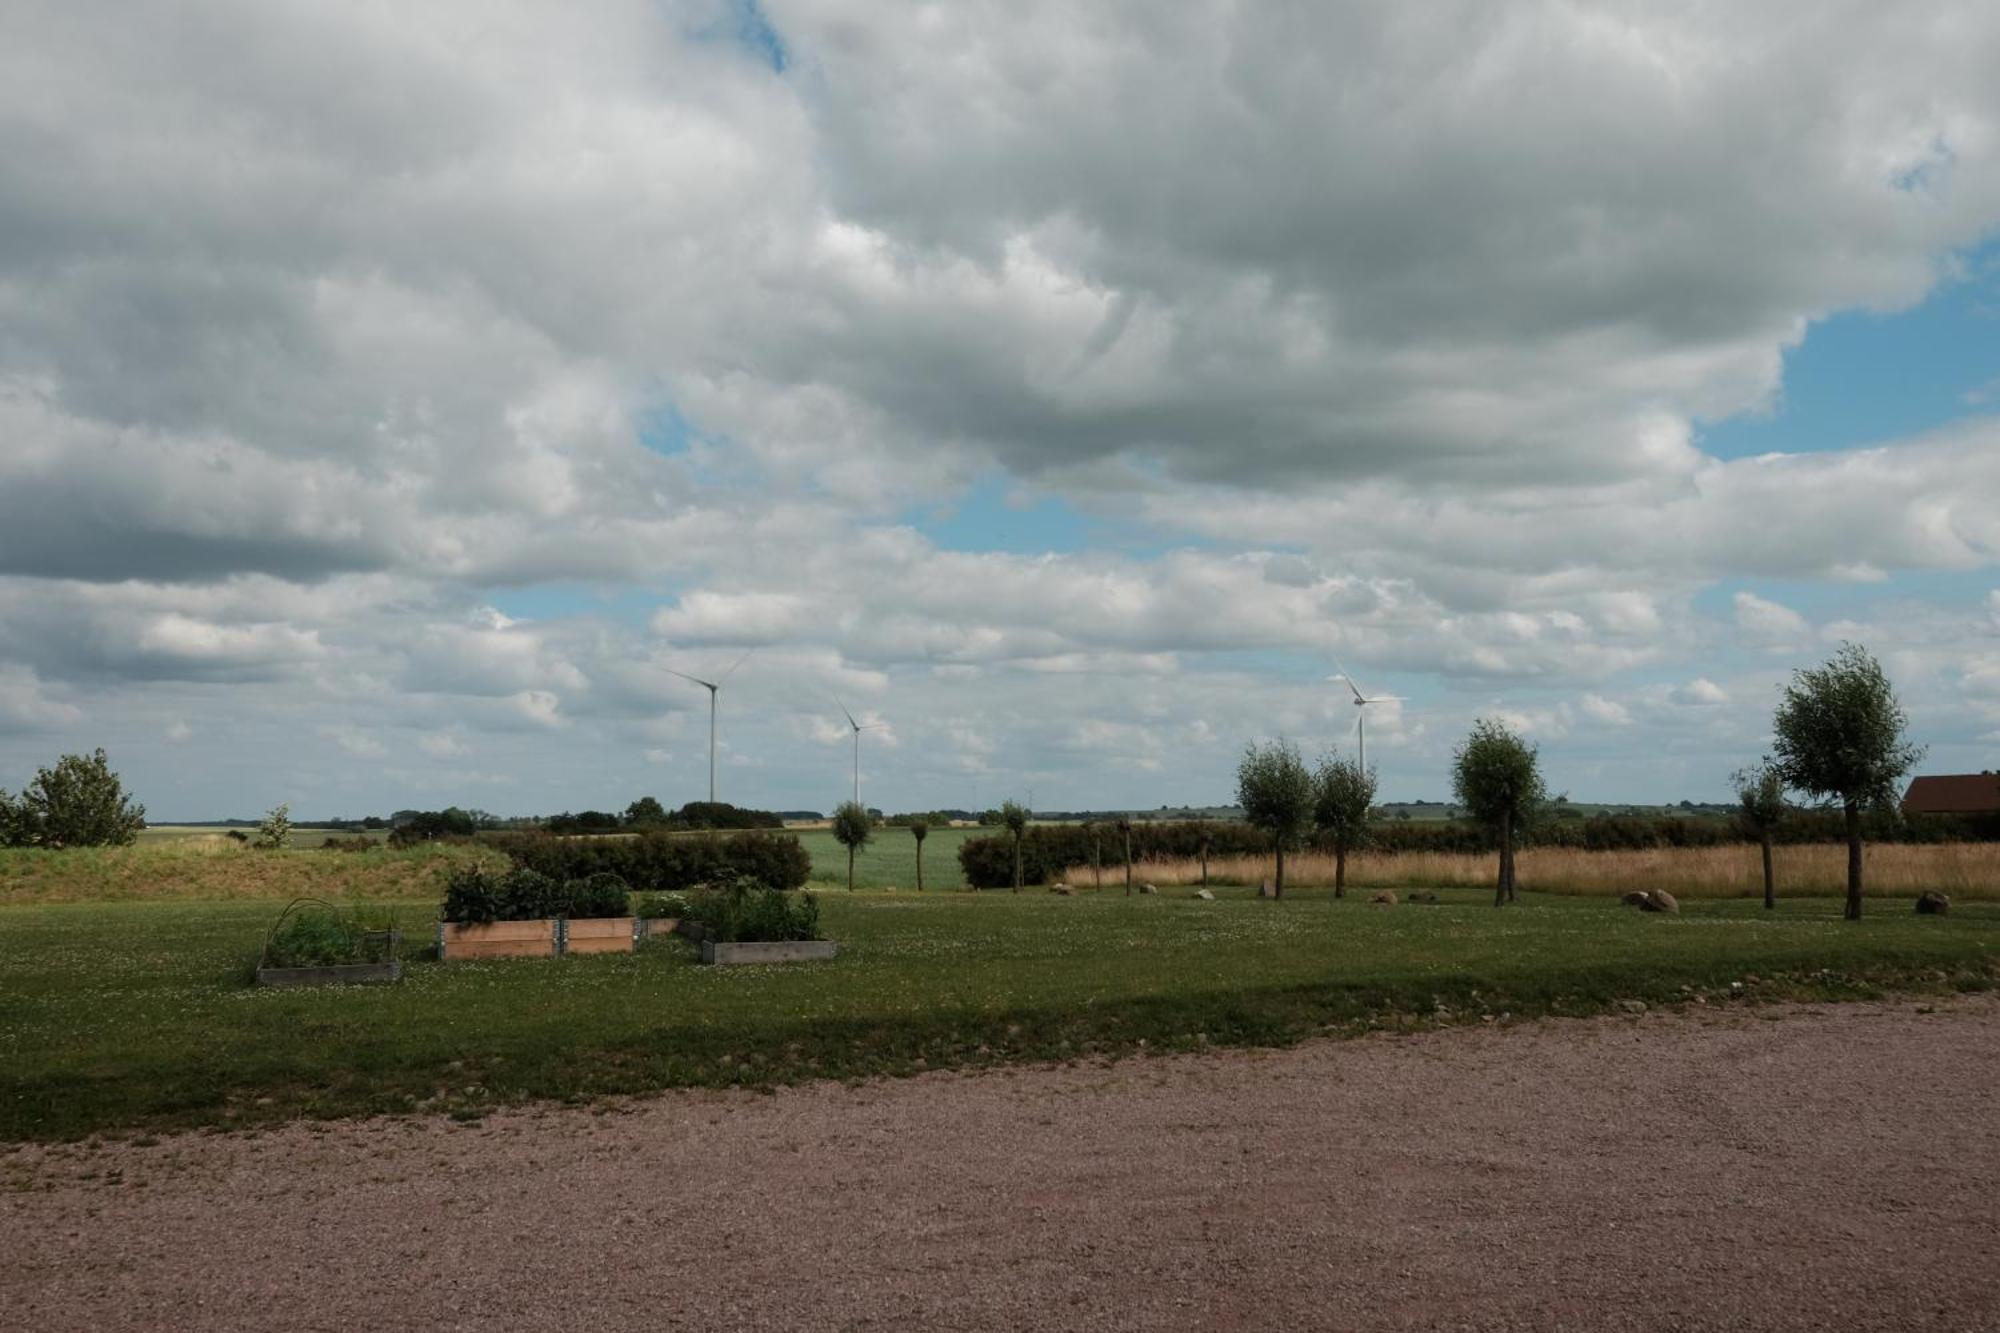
355	740
1769	623
1700	692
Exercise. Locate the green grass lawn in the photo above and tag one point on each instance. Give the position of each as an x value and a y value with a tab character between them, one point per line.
890	858
138	1015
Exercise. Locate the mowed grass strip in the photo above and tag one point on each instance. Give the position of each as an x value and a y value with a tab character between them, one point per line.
129	1016
890	859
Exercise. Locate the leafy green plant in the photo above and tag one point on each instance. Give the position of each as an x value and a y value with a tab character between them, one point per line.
656	905
310	933
275	832
598	895
744	910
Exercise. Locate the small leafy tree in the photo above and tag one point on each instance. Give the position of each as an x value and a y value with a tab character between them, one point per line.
1497	777
275	832
1275	790
853	826
644	811
1838	735
79	803
1345	798
920	828
1125	833
1760	808
1015	817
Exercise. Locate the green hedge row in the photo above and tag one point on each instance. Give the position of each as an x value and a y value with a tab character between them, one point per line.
662	862
1049	849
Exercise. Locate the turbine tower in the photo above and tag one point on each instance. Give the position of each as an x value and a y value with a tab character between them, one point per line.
714	687
1361	701
857	728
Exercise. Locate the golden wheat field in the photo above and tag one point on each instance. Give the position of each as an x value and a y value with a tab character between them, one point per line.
1963	870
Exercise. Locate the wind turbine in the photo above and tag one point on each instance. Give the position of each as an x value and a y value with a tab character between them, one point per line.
858	728
1361	701
714	687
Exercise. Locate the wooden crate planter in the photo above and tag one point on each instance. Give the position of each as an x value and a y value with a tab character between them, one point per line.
771	951
607	934
498	939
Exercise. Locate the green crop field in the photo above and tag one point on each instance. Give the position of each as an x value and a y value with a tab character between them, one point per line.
889	861
137	1015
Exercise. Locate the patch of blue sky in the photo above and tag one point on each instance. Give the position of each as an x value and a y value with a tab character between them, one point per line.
627	603
744	25
999	515
1822	600
1861	378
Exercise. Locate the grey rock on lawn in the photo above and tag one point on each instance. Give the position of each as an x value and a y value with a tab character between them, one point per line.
1147	888
1387	897
1204	895
1063	889
1659	900
1634	899
1932	903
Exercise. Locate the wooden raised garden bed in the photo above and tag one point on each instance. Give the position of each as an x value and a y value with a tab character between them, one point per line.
497	939
769	951
332	974
604	934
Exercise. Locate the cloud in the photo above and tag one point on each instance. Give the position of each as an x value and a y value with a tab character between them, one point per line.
27	706
1700	692
1768	623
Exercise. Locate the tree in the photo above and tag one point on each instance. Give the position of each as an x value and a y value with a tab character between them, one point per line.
1838	735
1344	799
1760	807
276	830
645	810
852	828
1276	792
78	803
920	828
1015	817
1497	778
1204	840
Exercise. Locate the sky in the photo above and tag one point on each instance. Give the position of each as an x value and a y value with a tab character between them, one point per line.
392	398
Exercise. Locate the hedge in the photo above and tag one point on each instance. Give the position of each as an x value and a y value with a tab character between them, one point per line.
1050	849
662	862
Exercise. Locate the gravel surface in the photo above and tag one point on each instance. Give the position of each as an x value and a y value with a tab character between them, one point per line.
1796	1168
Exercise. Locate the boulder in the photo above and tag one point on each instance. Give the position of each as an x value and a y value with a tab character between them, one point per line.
1421	896
1659	900
1932	903
1204	895
1147	888
1063	889
1387	897
1634	899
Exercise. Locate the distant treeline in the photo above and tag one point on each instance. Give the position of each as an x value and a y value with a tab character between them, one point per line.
1049	850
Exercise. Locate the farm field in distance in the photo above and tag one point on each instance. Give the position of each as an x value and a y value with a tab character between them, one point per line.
136	1015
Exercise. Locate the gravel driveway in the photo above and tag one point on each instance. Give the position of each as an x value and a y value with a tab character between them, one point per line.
1799	1168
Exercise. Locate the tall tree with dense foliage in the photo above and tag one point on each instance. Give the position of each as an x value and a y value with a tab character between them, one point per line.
1276	791
920	828
853	826
645	811
1760	808
1015	817
1838	735
78	803
1497	777
1344	800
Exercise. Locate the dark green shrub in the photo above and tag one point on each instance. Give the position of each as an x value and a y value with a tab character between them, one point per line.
672	905
745	911
528	895
473	895
601	894
656	862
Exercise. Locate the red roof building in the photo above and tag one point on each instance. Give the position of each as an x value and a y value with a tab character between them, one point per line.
1953	794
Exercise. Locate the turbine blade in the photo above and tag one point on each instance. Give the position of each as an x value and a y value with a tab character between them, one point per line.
1383	699
1347	678
685	676
844	713
737	663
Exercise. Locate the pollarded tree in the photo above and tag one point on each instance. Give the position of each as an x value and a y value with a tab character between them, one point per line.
79	803
1015	817
853	826
920	828
1345	798
1204	841
1839	736
1496	776
1276	792
1760	808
